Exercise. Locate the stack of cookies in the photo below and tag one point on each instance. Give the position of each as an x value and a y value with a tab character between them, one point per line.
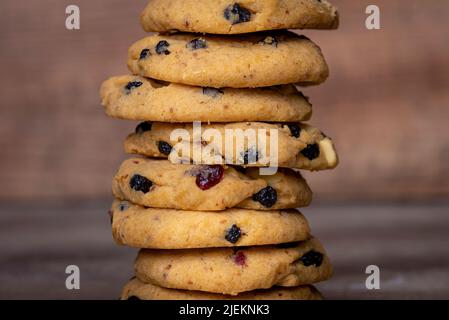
214	213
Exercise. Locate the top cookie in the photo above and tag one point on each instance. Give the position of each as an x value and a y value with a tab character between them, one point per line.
230	17
245	61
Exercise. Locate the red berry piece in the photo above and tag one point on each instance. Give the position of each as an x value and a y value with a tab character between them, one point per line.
209	176
240	258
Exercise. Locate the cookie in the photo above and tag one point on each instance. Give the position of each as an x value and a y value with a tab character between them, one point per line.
252	60
299	145
155	228
161	184
244	16
231	271
169	102
138	290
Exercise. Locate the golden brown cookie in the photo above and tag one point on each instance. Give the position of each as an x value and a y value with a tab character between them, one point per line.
161	184
152	100
140	227
243	16
299	145
138	290
243	61
231	271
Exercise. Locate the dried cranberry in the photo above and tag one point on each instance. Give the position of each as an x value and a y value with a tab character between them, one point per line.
140	183
312	151
312	258
145	53
233	234
143	127
162	47
212	92
164	147
267	196
209	176
131	85
270	40
237	14
198	43
295	130
240	258
250	156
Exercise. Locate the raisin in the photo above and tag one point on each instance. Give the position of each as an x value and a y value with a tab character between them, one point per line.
270	40
312	258
312	151
250	156
143	127
140	183
237	14
162	47
198	43
145	53
209	176
233	234
240	258
267	196
164	147
212	92
133	298
295	130
131	85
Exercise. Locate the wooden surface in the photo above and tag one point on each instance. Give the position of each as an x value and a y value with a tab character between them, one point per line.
408	243
385	104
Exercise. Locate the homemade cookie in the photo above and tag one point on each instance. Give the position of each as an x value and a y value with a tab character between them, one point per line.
231	271
138	98
299	145
252	60
138	290
161	184
244	16
140	227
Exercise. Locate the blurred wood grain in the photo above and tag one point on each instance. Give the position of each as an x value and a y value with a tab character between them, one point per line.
386	103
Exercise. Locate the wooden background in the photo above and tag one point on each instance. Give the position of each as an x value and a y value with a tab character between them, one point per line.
386	103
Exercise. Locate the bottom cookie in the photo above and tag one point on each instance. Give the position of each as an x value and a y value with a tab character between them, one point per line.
235	270
138	290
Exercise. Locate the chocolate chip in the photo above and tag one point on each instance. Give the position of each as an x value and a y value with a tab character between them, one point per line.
233	234
237	14
270	40
208	176
162	47
266	197
250	156
295	130
311	151
143	127
140	183
164	147
312	258
212	92
145	53
131	85
198	43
